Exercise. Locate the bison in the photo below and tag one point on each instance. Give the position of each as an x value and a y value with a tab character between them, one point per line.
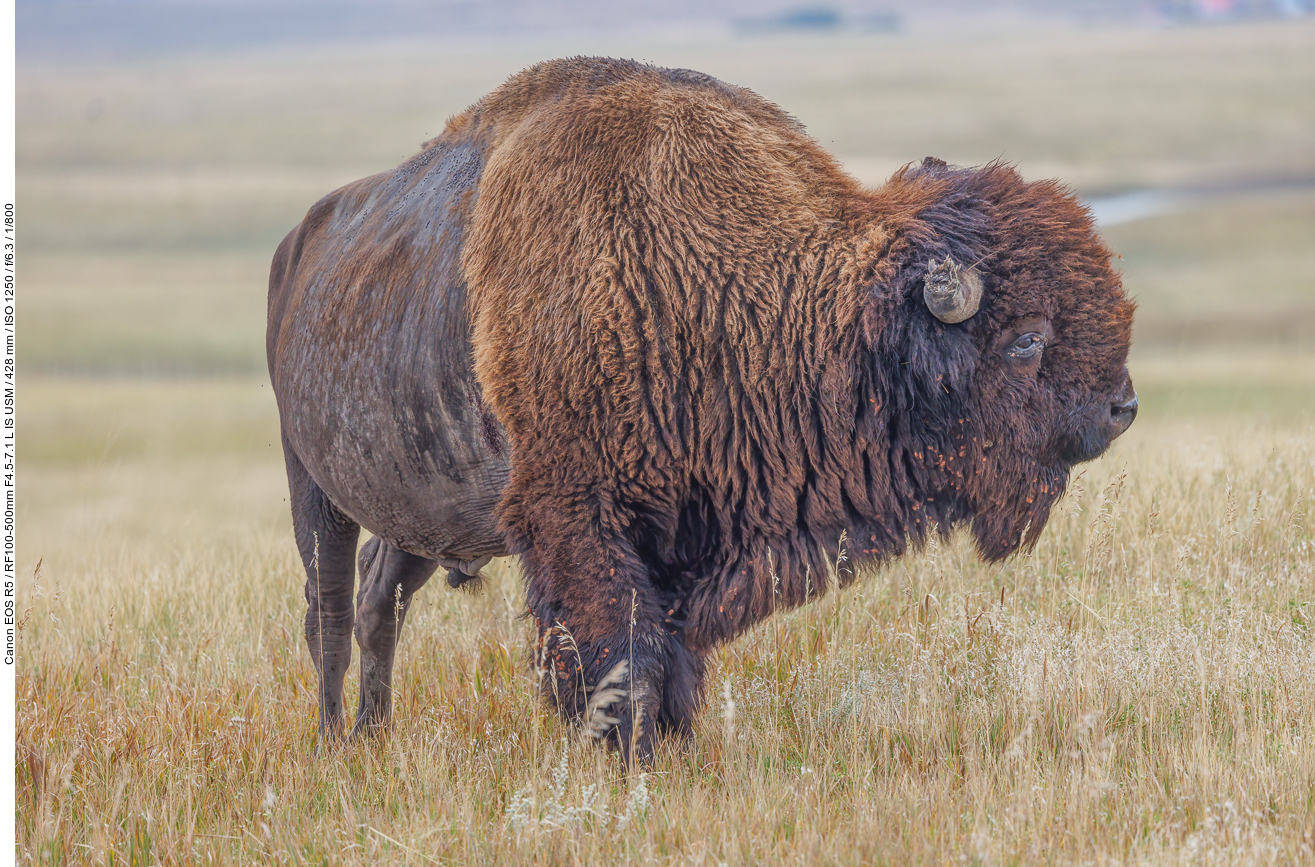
634	326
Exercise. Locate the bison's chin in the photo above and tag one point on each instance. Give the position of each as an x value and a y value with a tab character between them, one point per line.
1084	444
1015	523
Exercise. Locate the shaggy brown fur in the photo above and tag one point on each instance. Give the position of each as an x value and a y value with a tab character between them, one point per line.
709	351
708	348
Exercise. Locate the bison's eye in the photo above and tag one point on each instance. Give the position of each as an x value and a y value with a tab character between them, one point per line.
1027	346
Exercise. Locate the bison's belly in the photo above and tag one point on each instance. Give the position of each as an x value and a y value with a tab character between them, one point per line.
412	465
431	516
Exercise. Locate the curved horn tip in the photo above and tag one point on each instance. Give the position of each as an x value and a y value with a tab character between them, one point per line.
951	293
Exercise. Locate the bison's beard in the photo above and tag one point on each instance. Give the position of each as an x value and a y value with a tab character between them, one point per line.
1005	524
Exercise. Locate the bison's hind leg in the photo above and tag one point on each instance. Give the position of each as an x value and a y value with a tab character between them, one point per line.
389	578
326	539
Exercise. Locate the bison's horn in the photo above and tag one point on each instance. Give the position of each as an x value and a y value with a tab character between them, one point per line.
952	294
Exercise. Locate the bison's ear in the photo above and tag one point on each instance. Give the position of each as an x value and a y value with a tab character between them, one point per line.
930	167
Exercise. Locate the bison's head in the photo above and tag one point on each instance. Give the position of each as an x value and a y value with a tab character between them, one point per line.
1008	358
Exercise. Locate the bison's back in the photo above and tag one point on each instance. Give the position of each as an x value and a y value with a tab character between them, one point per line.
369	355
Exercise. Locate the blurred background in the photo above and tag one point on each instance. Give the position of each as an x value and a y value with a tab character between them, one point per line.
166	146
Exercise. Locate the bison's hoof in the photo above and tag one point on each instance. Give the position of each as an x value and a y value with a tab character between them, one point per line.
365	729
327	744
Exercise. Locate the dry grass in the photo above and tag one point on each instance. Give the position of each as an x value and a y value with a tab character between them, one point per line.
1138	690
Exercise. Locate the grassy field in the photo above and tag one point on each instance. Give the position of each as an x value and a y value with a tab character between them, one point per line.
1141	689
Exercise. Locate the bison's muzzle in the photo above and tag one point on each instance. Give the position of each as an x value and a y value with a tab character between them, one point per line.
1124	409
1099	426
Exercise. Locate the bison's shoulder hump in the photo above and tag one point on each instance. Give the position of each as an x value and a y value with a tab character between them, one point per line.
615	92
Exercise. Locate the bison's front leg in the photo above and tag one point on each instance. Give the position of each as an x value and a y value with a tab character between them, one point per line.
609	653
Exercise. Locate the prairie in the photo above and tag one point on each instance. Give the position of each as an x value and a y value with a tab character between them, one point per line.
1139	689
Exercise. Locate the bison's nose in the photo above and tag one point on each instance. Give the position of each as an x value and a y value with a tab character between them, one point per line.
1124	409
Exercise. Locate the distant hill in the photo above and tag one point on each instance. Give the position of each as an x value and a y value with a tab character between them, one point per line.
100	29
97	29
